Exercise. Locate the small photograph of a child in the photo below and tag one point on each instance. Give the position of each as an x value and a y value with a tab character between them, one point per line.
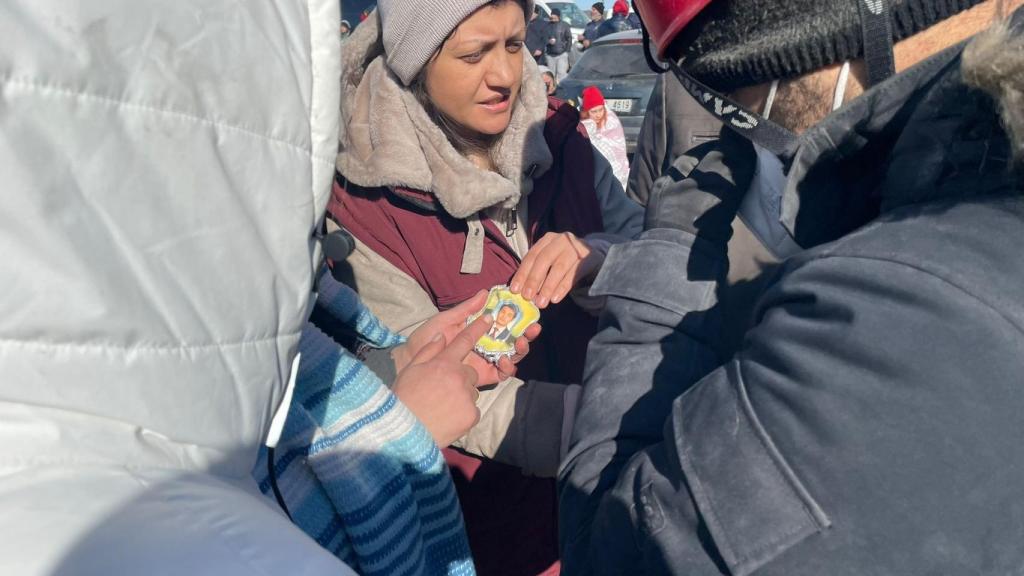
512	315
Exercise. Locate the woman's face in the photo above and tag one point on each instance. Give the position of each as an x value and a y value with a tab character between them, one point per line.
549	83
597	114
475	78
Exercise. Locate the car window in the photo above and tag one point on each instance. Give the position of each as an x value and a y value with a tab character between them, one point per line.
571	13
611	61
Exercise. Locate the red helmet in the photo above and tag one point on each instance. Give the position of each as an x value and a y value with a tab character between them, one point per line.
665	18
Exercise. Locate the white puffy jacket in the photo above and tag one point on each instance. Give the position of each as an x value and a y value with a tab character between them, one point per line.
164	164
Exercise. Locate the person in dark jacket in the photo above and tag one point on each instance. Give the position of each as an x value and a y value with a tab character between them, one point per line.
673	124
536	35
868	421
592	30
559	43
619	22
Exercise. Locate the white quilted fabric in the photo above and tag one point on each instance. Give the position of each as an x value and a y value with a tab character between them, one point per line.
165	163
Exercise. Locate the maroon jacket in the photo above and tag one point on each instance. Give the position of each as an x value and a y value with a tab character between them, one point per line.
412	231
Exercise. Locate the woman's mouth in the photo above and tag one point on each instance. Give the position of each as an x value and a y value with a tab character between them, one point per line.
498	104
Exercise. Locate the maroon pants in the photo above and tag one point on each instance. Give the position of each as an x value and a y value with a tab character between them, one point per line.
511	519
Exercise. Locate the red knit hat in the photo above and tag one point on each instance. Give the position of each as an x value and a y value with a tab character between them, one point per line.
620	7
592	98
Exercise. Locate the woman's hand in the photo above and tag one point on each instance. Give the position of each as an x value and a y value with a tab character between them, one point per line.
448	324
439	388
553	266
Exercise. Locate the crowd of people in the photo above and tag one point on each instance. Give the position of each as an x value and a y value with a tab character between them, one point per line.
242	328
551	41
551	44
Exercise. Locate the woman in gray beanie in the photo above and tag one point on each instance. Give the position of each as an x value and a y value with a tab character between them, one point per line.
456	173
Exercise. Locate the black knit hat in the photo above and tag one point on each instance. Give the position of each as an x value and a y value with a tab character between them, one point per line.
736	43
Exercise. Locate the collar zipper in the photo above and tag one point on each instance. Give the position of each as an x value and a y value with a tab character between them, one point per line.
512	223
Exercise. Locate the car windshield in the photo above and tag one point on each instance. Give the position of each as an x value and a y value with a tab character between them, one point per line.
611	61
571	13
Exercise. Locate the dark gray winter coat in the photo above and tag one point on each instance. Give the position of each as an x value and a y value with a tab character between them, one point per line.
617	23
536	36
872	420
562	34
674	124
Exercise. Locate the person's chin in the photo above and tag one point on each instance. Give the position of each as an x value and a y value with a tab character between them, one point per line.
494	125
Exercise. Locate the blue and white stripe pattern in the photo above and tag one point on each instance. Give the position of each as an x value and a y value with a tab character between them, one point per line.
357	470
344	304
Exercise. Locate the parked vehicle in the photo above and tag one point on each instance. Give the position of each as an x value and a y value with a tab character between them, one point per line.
352	10
616	65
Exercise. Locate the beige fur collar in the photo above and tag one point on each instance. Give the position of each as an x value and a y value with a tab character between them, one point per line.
387	138
994	62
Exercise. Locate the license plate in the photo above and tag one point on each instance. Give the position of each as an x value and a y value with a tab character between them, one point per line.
619	105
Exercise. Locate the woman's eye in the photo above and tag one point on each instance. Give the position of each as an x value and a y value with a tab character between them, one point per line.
474	57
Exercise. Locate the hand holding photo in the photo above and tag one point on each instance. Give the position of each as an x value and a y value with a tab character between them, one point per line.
512	315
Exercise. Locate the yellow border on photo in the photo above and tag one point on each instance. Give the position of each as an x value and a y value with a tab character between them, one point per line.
530	316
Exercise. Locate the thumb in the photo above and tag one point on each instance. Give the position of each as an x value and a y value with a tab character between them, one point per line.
430	351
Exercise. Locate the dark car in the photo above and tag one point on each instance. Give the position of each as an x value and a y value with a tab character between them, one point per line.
616	65
353	10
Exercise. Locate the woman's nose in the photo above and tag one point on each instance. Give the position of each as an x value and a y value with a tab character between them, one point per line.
501	73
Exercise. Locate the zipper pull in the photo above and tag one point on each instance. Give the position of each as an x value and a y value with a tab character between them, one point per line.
512	224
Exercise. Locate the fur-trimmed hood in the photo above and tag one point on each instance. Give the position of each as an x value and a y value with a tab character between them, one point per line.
994	62
386	137
944	130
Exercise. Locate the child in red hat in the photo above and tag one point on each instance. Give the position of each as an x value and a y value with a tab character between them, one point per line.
606	132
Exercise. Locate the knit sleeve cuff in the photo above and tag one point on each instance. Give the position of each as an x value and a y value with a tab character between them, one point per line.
380	361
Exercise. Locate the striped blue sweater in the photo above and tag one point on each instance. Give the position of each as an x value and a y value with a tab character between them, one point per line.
357	470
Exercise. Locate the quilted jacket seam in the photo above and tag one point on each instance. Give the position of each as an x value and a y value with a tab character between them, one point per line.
154	348
125	104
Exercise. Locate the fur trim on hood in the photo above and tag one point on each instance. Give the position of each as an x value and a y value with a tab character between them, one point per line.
387	138
994	62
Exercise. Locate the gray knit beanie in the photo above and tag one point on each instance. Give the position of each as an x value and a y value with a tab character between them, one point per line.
415	29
